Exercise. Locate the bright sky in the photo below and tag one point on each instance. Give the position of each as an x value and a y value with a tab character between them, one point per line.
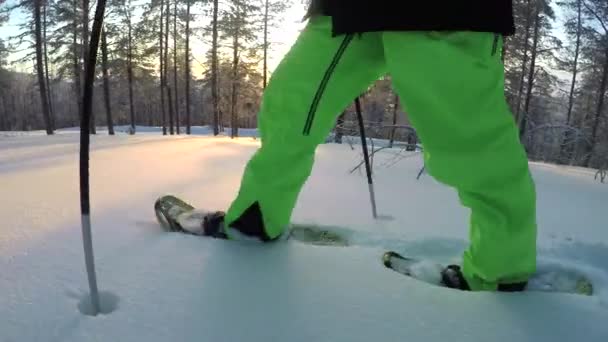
281	39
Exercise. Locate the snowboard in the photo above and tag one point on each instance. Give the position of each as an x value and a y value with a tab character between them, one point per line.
545	280
176	215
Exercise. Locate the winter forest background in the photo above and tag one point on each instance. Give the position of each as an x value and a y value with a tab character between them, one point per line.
180	63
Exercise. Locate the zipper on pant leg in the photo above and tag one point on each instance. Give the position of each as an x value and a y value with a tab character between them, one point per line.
315	103
495	44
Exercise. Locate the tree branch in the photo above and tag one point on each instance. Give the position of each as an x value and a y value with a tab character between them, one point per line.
596	16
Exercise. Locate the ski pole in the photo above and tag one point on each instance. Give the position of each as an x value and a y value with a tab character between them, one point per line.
368	168
87	100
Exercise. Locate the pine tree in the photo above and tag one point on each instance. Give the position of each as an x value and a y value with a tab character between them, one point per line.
106	82
238	28
598	10
175	90
45	24
570	62
215	68
33	29
40	66
187	65
273	10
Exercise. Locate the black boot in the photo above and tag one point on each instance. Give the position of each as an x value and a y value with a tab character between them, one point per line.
513	287
452	277
248	227
213	225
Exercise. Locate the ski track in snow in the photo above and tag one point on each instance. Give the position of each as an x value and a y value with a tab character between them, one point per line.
176	287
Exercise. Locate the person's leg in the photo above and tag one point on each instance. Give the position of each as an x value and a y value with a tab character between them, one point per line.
316	80
452	86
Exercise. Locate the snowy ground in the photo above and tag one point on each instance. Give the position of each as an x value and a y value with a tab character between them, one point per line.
172	287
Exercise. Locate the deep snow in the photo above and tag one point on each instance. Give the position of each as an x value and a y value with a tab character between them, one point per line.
184	288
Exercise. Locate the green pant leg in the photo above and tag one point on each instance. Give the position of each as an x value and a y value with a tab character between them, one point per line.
452	86
312	85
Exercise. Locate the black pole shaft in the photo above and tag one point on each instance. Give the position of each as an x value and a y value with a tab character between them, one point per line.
368	168
87	101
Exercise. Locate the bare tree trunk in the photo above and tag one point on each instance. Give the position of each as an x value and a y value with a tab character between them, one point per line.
235	70
170	105
411	141
85	28
175	66
266	45
567	143
575	67
40	68
340	128
3	115
25	122
187	66
85	46
166	64
531	72
130	71
13	109
520	92
233	103
215	71
46	66
77	67
598	113
162	70
504	49
106	81
392	140
149	114
586	107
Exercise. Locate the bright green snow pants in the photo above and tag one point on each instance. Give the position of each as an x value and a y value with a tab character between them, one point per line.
452	87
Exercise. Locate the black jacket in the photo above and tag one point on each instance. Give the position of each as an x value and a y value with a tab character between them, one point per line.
358	16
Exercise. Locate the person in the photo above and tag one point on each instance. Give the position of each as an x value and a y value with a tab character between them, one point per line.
445	62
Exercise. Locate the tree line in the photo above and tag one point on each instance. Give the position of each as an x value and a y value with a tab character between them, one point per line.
145	64
556	71
556	79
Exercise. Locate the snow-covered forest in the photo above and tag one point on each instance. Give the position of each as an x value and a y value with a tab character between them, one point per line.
556	67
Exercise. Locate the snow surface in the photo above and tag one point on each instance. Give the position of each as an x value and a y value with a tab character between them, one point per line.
172	287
